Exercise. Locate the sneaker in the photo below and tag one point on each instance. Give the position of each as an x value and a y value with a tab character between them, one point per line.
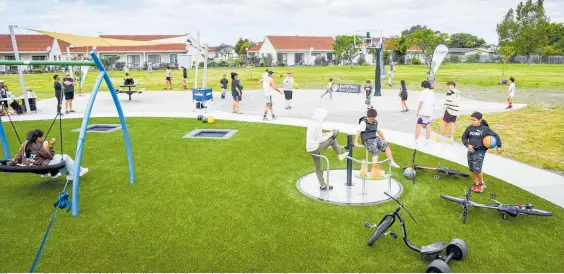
323	188
343	156
290	107
83	171
330	187
484	184
72	111
66	112
394	164
274	117
48	175
480	188
474	188
450	141
264	118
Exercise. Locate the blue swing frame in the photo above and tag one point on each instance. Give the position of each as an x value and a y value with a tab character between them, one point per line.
102	77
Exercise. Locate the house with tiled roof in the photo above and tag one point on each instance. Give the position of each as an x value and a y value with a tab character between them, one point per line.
30	47
295	50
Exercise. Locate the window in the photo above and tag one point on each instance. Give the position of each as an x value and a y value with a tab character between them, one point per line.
282	57
154	58
174	58
12	58
317	55
39	58
134	61
298	58
329	57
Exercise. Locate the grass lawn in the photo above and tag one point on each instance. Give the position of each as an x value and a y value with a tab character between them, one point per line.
468	77
232	206
532	135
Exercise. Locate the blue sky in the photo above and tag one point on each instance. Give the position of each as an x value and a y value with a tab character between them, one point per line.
224	21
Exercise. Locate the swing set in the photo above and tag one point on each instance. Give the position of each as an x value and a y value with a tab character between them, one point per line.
103	76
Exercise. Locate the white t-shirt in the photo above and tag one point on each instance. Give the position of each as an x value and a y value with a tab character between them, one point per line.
428	99
329	85
266	89
512	89
362	126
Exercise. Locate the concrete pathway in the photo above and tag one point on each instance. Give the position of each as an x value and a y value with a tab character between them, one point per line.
344	111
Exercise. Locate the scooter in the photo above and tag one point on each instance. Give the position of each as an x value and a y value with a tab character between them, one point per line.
455	249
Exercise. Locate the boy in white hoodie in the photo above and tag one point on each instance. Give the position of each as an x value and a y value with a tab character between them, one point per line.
317	141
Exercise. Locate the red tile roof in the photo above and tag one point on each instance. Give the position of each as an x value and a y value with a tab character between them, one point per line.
301	42
211	49
26	42
256	48
414	48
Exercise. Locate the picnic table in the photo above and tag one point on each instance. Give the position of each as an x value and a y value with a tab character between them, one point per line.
129	91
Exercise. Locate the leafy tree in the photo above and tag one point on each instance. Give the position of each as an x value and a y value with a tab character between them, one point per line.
344	47
244	46
555	40
239	44
552	50
412	30
109	61
465	40
427	40
267	60
525	29
507	52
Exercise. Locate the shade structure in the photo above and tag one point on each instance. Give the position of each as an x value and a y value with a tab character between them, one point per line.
88	41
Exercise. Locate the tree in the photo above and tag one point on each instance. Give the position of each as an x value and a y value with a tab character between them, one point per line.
224	49
525	29
555	40
244	46
109	61
239	45
412	30
427	40
267	60
507	52
344	47
465	40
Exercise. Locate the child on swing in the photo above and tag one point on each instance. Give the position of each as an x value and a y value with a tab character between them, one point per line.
373	139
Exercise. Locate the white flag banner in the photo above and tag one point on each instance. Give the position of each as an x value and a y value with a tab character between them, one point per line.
439	55
84	70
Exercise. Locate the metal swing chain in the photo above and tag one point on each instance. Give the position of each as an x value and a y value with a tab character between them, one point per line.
12	123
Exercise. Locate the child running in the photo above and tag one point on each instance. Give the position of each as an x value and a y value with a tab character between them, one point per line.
425	111
472	138
329	89
368	90
373	139
267	87
451	112
511	93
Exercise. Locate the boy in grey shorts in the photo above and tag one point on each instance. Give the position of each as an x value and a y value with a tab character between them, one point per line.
373	139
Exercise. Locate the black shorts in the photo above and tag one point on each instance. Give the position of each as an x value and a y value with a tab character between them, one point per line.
236	96
288	94
476	160
404	97
69	95
168	78
449	118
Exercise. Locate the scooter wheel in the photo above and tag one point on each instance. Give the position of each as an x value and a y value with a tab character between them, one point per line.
438	266
436	177
200	117
458	247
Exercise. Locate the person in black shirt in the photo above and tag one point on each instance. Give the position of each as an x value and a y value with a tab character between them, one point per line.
472	138
236	92
368	99
3	95
58	92
224	82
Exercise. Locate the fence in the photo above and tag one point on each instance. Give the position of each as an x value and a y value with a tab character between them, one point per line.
537	59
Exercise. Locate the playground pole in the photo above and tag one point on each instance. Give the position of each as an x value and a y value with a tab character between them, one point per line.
20	69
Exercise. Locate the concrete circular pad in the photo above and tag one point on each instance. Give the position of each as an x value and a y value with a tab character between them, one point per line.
369	193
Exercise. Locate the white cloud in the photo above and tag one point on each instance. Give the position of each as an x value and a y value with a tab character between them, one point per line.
227	20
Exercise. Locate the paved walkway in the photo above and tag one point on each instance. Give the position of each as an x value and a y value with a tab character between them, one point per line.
344	111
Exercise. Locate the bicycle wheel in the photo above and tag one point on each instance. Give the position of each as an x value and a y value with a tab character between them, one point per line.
382	227
453	199
534	211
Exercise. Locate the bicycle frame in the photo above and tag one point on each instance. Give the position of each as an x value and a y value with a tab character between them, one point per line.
397	213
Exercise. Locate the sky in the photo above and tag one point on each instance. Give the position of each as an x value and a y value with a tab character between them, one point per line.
225	21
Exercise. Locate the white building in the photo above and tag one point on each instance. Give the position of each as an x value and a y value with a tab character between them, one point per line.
295	50
30	47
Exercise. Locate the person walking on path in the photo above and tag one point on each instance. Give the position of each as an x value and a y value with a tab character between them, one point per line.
472	138
511	93
451	112
317	141
403	96
424	112
368	95
329	89
236	92
267	87
288	90
184	77
391	74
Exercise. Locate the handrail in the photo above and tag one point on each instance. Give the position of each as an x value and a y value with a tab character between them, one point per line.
327	164
366	162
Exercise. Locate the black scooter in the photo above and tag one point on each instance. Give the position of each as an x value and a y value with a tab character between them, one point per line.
456	249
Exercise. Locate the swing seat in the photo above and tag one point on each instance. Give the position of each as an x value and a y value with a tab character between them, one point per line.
41	170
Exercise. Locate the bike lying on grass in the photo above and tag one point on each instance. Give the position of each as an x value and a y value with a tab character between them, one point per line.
449	172
456	249
506	210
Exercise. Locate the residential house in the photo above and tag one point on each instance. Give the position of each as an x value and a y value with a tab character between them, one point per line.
223	55
295	50
485	55
136	57
30	47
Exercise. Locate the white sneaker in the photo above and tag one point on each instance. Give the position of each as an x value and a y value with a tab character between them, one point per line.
416	144
48	175
83	171
394	164
343	156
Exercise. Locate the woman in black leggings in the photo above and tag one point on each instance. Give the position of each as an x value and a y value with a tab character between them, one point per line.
58	92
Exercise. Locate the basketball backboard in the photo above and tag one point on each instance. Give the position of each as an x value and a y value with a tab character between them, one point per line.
369	38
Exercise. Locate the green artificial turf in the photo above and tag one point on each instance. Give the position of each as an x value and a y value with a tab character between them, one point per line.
233	206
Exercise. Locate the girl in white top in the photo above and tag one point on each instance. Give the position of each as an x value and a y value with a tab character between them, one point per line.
510	93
